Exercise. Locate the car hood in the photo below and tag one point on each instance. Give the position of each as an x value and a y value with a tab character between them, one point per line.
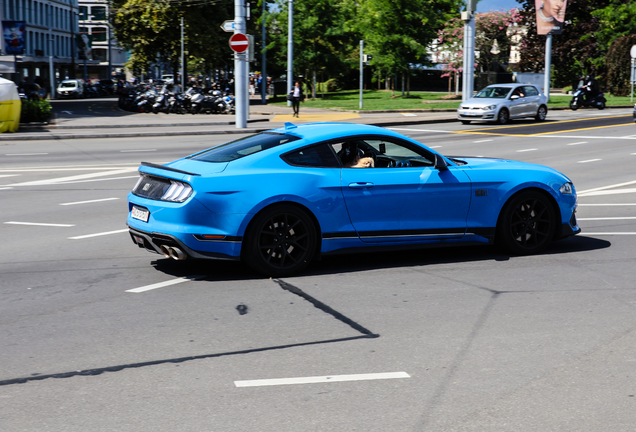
482	163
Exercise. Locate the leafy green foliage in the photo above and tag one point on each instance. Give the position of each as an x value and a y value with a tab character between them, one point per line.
618	63
33	111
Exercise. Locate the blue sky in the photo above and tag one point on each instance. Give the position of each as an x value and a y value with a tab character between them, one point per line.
490	5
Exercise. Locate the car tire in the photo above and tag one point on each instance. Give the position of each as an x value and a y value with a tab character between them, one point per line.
503	116
280	241
527	223
542	113
465	121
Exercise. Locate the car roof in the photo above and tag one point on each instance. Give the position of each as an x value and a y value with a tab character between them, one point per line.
325	131
510	85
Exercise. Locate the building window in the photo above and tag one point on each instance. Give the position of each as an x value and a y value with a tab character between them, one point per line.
98	13
99	34
100	54
83	13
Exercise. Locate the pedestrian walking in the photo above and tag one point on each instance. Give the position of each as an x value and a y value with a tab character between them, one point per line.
296	97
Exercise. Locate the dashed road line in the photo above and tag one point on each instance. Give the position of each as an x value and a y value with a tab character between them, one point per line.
89	202
527	150
164	284
577	143
39	224
98	234
589	160
321	379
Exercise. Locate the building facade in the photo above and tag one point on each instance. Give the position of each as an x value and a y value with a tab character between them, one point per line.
50	41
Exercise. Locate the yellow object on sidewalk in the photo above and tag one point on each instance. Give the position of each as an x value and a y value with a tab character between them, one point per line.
10	106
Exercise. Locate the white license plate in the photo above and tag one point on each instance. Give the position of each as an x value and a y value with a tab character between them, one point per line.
468	113
139	213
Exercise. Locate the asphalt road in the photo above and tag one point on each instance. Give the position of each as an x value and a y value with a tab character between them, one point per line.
98	335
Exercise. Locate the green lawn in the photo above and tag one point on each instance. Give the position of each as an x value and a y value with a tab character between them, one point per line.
384	100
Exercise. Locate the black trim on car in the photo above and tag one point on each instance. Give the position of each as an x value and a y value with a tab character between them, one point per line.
163	167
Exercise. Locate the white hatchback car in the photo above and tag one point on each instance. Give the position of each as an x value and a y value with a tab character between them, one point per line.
502	102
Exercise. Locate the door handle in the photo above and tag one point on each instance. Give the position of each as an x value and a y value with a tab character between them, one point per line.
360	185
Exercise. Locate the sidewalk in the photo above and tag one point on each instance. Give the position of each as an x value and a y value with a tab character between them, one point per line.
122	124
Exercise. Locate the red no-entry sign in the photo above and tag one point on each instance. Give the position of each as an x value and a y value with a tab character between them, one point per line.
239	42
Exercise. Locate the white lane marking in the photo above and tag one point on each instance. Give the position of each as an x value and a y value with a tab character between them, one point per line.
590	160
88	202
606	218
617	185
577	143
137	151
527	150
583	137
481	141
609	233
25	154
419	130
607	192
607	205
101	179
9	175
69	168
5	188
435	147
38	224
409	114
98	234
72	178
321	379
164	284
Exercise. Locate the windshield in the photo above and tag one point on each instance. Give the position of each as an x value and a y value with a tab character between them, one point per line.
243	147
70	84
493	93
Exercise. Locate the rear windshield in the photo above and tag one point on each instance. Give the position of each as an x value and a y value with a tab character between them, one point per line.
243	147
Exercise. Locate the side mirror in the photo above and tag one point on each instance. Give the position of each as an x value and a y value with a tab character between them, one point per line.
513	97
440	163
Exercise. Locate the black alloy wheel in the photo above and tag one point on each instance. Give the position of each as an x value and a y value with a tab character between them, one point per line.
527	223
503	116
280	241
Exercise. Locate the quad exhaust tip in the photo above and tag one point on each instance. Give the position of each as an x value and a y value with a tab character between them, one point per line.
173	252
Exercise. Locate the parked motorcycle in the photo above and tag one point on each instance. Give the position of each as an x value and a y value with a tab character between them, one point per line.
579	100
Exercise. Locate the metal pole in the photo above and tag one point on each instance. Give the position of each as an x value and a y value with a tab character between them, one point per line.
633	79
183	81
361	70
110	62
470	72
264	61
548	66
240	68
51	68
290	49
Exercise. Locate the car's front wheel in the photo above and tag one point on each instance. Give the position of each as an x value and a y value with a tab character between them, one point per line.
280	241
503	116
527	223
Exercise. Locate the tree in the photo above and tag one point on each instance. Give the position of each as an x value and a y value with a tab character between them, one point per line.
491	28
152	28
619	65
573	52
398	32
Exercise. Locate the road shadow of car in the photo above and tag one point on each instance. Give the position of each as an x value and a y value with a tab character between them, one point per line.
355	262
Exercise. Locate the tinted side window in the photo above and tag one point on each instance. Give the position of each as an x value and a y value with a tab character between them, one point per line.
530	91
320	156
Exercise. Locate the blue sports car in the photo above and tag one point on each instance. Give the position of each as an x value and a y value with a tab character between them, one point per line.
279	199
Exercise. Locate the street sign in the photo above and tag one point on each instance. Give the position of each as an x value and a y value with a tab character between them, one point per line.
228	26
239	42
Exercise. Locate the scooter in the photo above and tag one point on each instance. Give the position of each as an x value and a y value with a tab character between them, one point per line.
578	100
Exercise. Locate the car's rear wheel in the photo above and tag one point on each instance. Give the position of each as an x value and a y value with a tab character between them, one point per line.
465	121
527	223
280	241
503	116
542	113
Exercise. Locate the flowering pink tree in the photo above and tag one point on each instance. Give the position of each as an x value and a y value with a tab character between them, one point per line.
493	28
